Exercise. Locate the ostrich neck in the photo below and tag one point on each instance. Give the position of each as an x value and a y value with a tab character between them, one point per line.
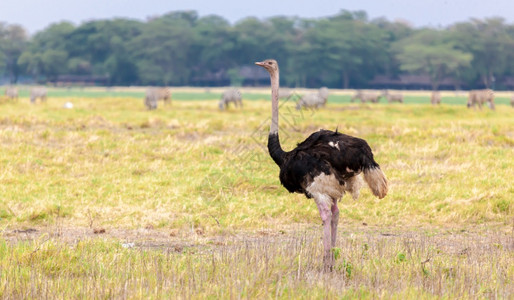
274	102
274	148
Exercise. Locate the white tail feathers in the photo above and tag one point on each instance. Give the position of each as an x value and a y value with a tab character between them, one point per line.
376	181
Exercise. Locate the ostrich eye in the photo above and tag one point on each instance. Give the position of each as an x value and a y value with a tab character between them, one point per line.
270	63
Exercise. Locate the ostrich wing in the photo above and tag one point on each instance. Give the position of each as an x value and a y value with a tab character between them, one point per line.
326	152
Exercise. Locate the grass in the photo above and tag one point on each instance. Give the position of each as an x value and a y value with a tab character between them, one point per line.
204	177
370	265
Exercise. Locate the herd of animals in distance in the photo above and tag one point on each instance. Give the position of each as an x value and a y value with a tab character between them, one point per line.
313	100
318	99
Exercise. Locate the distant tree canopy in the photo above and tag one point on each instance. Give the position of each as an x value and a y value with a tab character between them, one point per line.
346	50
433	53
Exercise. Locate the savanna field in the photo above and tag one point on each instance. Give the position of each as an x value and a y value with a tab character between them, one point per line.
109	200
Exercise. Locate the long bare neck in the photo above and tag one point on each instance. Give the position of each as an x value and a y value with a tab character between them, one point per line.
275	81
274	148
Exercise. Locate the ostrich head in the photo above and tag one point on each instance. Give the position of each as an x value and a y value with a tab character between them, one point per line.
270	65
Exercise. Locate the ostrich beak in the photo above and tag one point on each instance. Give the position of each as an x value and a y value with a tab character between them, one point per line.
260	63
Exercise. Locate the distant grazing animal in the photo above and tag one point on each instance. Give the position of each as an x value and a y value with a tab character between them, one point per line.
230	95
323	167
150	102
313	100
285	93
11	93
357	95
392	97
323	92
366	97
435	98
154	94
38	92
479	97
373	98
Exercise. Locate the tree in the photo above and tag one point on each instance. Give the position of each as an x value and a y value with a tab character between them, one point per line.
341	48
47	55
102	48
162	49
179	48
394	32
13	40
429	52
490	43
212	49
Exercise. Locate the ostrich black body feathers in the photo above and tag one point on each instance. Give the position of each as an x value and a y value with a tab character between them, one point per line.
325	152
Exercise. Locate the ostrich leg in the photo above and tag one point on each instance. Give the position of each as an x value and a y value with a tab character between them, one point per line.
334	221
324	206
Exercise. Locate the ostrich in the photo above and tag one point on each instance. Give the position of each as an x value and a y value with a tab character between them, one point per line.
322	167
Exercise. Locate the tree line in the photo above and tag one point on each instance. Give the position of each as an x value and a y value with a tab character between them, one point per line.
346	50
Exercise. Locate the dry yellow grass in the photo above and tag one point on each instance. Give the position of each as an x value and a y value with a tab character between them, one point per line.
371	263
114	162
201	175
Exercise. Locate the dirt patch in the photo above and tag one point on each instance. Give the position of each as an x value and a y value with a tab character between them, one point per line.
458	242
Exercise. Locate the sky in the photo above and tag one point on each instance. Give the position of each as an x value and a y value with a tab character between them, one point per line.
35	15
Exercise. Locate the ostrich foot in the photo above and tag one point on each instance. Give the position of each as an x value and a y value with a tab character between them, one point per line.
328	262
